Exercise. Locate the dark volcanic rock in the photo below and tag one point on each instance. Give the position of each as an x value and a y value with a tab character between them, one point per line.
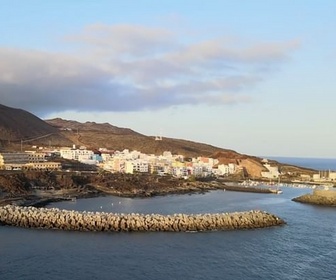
26	187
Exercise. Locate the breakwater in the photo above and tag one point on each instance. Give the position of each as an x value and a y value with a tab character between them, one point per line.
250	189
54	218
319	197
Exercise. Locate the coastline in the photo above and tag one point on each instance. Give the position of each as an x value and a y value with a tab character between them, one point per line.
42	188
44	198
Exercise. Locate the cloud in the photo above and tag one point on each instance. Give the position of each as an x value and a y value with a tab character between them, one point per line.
124	39
134	68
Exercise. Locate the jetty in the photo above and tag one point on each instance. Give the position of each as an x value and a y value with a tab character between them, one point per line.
323	197
54	218
251	189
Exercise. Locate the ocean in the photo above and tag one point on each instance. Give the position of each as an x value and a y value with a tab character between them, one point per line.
321	164
305	248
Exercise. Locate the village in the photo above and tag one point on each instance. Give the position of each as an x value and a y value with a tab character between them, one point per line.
135	162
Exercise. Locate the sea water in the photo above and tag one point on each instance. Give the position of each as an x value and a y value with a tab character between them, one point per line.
321	164
305	248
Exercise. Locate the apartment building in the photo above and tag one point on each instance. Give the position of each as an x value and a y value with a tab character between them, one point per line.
136	166
47	165
12	161
76	154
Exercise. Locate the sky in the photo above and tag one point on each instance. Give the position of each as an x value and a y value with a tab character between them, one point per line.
257	77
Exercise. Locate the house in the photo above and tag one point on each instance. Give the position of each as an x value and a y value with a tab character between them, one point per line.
76	154
271	173
136	166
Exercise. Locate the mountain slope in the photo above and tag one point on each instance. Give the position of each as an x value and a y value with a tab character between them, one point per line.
21	129
94	136
19	126
89	126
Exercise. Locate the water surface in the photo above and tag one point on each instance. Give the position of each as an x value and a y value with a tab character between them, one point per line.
303	249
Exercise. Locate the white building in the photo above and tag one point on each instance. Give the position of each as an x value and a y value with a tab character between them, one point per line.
316	177
180	171
76	154
114	164
332	176
167	154
223	169
106	156
136	166
271	173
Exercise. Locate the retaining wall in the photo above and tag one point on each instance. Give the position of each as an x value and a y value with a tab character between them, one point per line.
31	217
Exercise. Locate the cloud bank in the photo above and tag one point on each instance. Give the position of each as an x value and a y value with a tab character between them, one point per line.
134	68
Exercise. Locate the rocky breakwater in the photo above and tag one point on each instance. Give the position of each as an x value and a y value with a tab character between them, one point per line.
325	197
31	217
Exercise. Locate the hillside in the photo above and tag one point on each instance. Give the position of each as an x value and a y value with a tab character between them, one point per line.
70	125
20	129
94	136
19	126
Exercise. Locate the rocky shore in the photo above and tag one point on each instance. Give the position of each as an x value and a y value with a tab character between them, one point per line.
319	197
31	217
39	188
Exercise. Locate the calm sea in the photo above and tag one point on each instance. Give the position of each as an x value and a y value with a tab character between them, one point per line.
315	163
305	248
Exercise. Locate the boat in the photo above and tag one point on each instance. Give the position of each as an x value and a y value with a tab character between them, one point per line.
275	191
71	198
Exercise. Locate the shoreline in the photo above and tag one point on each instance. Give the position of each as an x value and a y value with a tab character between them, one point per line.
41	188
42	199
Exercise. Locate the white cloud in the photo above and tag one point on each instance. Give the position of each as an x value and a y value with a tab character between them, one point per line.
133	68
125	39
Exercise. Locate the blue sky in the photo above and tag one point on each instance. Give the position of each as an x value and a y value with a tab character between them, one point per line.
253	76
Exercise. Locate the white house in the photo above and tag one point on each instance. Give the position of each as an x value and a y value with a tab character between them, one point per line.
271	173
76	154
136	166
